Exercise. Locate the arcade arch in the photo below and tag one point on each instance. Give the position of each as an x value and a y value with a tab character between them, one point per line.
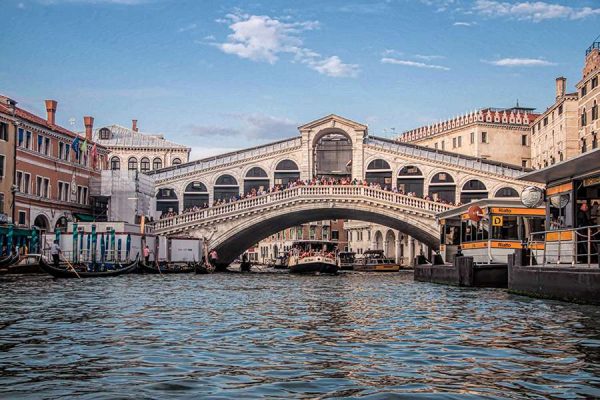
166	201
195	194
286	171
473	189
379	172
255	178
442	186
332	155
411	180
226	187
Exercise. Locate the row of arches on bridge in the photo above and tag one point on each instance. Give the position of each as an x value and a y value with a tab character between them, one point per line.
410	179
143	164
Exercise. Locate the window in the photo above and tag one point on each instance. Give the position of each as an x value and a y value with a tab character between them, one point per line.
47	150
38	185
595	111
443	145
28	140
460	141
67	150
46	188
545	121
20	137
472	137
26	182
104	134
335	235
524	140
583	146
22	217
176	161
594	82
132	164
145	164
484	138
524	163
583	118
560	109
82	195
63	191
435	146
61	150
157	163
2	160
3	131
584	90
1	202
40	143
115	163
453	143
594	140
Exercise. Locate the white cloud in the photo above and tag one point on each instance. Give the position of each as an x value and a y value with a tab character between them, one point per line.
520	62
186	28
463	23
408	63
250	126
428	58
535	11
262	38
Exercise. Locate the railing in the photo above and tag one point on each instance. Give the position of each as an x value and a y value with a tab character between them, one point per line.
224	159
321	192
491	167
577	246
86	255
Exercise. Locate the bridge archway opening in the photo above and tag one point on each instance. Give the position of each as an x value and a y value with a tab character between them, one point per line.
411	180
166	201
473	190
442	187
506	192
286	171
379	172
332	156
390	244
241	240
226	187
378	241
256	178
195	194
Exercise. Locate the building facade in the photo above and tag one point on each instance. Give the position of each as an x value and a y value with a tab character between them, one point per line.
554	133
280	243
134	150
491	133
8	128
589	98
51	178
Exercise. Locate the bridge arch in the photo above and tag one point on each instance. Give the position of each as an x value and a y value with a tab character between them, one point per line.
473	189
332	153
225	187
443	186
411	180
285	170
378	241
254	178
196	194
379	172
506	191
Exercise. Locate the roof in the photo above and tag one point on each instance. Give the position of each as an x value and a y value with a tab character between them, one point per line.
334	117
496	202
126	137
34	119
579	166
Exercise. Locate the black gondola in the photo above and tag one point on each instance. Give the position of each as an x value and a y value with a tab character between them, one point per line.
204	268
7	261
64	271
166	268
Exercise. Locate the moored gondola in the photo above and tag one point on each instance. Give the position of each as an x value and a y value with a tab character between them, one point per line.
9	260
98	270
166	268
204	268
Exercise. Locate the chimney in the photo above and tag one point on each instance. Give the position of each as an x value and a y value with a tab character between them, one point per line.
134	125
561	85
51	110
89	125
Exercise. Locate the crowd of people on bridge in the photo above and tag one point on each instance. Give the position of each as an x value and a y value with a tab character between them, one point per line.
256	192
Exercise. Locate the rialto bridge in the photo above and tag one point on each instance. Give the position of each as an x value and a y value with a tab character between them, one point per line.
328	147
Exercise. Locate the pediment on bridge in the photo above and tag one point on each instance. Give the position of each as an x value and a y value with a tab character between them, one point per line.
332	121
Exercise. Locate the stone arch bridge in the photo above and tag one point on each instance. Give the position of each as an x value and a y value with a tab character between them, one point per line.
328	147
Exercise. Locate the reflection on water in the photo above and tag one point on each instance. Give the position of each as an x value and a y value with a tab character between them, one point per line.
276	335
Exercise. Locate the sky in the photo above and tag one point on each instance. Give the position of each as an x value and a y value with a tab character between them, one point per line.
224	75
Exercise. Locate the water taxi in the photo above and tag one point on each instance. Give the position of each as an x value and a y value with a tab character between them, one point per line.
313	256
346	260
375	261
488	230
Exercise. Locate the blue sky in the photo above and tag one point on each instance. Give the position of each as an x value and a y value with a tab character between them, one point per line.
222	75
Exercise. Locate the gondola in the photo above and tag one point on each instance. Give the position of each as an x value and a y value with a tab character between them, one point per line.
9	260
166	268
63	270
204	268
27	264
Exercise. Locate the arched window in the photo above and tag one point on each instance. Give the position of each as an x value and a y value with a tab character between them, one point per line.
333	155
176	161
442	187
132	164
379	172
507	192
145	164
41	222
256	178
115	163
157	163
594	140
583	145
473	190
226	187
166	200
411	180
104	134
583	118
195	194
286	171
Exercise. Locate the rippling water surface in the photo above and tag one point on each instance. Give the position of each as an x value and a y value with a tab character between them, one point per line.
282	336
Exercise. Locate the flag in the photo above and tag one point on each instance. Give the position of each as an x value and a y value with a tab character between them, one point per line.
94	155
75	146
84	146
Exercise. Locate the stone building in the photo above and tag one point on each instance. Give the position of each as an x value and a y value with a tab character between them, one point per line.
589	98
278	244
52	180
134	150
8	125
554	132
490	133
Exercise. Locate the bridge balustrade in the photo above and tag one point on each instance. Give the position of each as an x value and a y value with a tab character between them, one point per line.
318	192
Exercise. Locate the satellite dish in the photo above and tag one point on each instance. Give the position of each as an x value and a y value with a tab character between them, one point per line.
559	201
532	197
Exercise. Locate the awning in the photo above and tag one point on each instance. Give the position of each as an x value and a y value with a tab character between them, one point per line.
576	167
84	217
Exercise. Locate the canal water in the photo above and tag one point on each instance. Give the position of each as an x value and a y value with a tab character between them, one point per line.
375	336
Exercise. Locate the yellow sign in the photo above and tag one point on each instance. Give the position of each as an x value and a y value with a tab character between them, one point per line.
518	211
497	220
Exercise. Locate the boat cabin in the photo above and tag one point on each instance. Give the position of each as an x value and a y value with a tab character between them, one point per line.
346	259
487	230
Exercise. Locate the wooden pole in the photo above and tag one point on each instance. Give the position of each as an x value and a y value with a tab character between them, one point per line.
71	267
